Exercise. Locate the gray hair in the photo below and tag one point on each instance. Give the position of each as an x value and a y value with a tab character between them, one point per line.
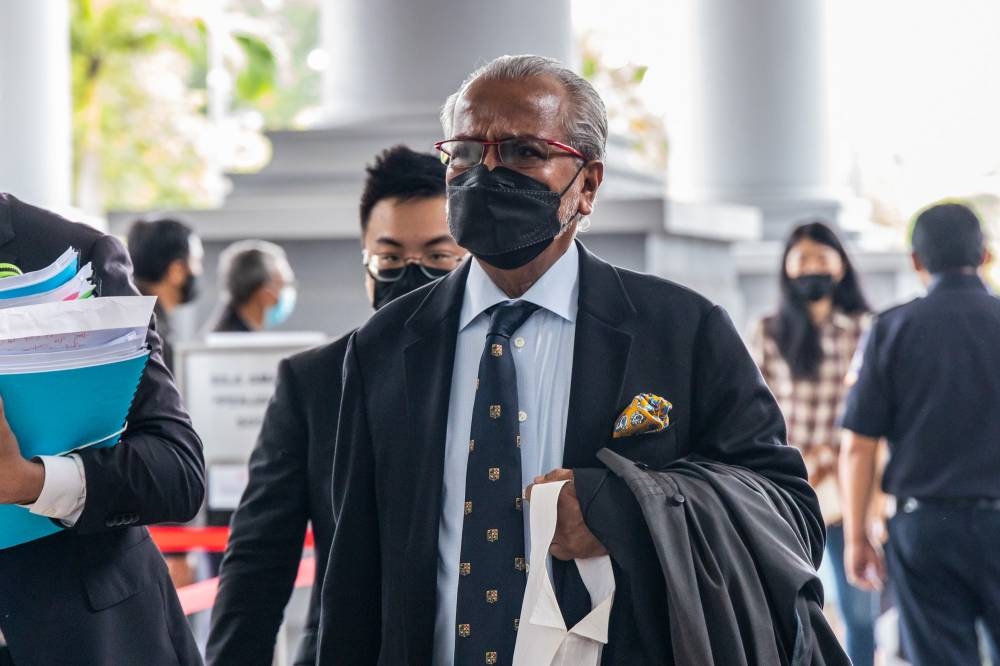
247	265
587	126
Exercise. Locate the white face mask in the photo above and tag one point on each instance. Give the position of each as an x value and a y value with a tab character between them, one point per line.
279	313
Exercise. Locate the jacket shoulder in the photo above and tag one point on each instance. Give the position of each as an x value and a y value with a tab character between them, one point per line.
44	224
319	362
650	292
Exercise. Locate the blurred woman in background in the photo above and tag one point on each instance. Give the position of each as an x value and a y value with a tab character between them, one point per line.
804	352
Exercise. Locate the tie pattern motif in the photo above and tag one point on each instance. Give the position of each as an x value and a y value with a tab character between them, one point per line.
492	571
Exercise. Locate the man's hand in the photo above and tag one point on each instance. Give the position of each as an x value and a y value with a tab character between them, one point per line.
20	480
864	564
572	540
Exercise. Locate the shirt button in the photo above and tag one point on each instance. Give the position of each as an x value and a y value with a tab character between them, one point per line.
522	417
519	342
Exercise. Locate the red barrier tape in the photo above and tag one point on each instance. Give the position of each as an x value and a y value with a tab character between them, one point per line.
207	539
201	596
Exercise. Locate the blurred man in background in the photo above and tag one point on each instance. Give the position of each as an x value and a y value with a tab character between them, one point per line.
259	286
930	384
166	260
405	245
167	263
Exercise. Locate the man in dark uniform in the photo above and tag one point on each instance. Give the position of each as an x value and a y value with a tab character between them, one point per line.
930	385
406	244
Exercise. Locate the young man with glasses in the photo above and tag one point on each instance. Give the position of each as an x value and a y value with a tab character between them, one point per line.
405	245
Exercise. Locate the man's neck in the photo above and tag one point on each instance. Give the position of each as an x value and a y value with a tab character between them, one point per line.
166	296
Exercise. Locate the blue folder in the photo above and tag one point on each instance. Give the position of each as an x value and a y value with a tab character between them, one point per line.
56	411
54	282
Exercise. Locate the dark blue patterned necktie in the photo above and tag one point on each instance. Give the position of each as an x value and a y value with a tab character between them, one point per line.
492	570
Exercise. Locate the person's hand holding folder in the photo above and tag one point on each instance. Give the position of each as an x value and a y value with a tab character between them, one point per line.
20	480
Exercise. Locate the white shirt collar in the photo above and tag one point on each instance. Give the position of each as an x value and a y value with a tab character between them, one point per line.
556	290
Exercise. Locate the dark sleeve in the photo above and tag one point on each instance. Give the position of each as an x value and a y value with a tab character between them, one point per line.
735	420
866	410
350	619
268	529
157	472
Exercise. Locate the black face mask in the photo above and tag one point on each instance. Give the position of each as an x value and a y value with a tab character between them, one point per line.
190	288
502	216
814	288
411	277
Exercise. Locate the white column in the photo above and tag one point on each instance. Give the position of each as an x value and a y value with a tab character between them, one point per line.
35	107
402	58
749	116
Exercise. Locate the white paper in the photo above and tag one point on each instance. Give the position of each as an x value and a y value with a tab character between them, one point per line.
542	637
34	277
76	318
80	283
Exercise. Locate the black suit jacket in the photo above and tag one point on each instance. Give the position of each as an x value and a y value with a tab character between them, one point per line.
634	333
290	473
99	593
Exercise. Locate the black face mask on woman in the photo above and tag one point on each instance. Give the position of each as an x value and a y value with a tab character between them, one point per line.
502	216
814	288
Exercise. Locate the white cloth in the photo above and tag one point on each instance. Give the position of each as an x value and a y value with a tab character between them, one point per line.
64	490
543	357
542	637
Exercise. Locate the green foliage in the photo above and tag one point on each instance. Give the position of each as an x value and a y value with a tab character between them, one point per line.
141	135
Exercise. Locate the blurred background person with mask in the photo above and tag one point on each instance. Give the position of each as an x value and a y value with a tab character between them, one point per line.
259	287
405	245
929	383
804	351
167	260
167	263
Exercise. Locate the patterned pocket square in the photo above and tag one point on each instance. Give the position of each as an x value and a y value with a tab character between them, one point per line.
646	414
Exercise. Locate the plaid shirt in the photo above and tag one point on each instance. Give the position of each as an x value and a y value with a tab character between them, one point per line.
812	406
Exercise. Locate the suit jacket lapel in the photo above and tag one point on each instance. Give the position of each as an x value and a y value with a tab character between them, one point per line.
429	360
600	360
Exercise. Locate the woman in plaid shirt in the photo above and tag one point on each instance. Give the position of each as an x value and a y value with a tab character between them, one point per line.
804	352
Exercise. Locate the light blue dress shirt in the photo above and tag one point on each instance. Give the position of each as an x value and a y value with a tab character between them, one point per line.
543	356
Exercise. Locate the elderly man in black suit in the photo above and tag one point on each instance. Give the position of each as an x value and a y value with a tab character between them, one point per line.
515	369
405	244
97	592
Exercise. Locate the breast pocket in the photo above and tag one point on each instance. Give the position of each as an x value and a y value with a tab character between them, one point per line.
657	449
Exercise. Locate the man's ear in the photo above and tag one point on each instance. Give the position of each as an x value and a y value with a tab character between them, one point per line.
593	176
987	257
918	265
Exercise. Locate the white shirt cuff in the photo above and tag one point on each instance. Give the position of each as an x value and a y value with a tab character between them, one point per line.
64	491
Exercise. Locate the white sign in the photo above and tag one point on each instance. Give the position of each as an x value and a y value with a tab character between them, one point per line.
227	383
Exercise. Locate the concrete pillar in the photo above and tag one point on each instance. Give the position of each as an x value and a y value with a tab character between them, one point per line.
749	124
399	58
35	108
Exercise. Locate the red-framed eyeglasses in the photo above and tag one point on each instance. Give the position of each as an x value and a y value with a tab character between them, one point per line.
519	152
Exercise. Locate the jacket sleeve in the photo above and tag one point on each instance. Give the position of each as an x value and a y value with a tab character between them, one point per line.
265	546
350	619
157	472
734	420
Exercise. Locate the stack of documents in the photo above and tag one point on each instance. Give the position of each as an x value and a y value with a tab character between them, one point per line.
69	368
